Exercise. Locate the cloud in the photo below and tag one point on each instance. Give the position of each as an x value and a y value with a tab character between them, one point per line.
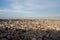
29	5
15	11
32	4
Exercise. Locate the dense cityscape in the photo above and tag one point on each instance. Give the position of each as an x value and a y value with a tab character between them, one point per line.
29	29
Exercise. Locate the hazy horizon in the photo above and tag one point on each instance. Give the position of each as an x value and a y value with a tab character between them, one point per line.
29	9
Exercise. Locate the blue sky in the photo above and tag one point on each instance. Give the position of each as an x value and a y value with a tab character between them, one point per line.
29	8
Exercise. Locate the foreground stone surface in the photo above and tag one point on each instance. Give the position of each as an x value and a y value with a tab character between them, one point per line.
29	29
19	34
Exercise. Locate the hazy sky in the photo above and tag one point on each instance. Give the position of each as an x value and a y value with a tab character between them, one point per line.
29	8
